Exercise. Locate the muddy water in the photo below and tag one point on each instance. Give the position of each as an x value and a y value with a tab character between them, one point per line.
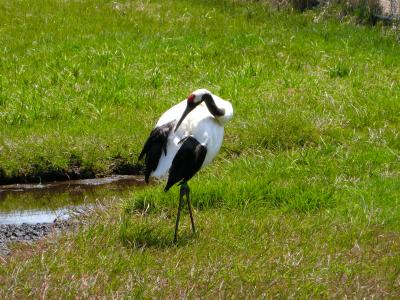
44	203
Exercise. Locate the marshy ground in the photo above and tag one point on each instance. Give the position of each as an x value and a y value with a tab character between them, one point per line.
303	200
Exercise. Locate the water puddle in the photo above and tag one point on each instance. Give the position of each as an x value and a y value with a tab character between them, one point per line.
34	216
43	203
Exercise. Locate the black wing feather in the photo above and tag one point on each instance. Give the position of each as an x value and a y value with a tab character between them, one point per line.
152	149
187	161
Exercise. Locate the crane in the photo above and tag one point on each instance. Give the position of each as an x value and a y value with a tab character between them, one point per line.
185	139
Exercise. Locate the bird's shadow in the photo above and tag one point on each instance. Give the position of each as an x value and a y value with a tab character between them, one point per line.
144	234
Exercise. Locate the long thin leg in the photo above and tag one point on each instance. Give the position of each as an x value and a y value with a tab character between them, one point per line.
190	208
177	217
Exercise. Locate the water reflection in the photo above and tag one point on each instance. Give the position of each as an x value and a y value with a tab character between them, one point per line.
37	203
34	216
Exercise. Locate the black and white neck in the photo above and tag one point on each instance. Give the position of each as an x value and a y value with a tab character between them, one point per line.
212	107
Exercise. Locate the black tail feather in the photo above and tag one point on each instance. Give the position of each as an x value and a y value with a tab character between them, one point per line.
154	146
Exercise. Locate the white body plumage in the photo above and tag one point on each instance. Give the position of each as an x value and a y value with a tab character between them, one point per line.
206	128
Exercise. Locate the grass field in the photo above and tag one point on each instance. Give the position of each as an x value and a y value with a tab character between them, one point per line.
303	199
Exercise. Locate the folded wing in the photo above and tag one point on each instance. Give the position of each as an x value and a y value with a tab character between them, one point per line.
187	161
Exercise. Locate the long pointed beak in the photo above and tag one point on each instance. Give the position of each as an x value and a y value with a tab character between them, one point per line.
185	113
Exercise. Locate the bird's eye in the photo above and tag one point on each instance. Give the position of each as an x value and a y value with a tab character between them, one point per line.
190	99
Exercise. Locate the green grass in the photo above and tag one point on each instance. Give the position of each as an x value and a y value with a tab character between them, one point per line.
303	199
82	83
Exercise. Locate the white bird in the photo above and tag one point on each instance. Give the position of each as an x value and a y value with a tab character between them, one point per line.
185	139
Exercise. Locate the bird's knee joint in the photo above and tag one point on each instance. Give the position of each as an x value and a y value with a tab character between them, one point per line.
184	189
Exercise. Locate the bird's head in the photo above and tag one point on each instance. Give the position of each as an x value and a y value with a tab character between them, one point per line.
197	97
194	99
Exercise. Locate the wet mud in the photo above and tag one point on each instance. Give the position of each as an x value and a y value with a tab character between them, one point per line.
75	171
29	232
